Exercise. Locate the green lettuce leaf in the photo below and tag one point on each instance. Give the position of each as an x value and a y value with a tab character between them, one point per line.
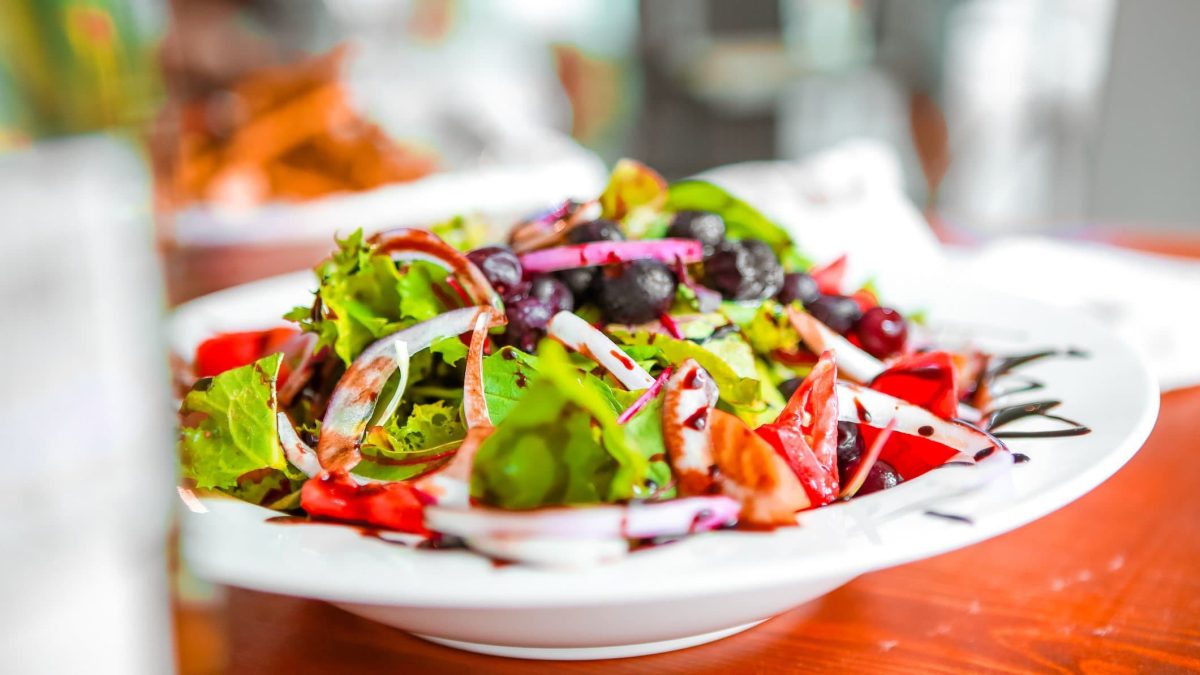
363	297
451	349
271	488
229	427
506	378
410	445
644	433
462	232
769	329
561	445
729	361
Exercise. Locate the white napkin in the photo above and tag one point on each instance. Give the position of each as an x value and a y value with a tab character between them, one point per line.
850	199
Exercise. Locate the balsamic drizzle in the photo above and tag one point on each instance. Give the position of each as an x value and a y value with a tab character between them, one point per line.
1009	362
1002	416
951	516
999	417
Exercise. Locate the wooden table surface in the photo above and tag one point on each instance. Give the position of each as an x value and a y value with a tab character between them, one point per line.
1108	584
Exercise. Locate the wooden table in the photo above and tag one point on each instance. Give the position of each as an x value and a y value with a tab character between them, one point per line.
1108	584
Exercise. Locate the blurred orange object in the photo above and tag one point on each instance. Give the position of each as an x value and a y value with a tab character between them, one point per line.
285	133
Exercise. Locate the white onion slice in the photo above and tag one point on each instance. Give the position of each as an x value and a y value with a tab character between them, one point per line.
635	521
690	393
583	337
818	338
297	451
861	405
354	398
552	552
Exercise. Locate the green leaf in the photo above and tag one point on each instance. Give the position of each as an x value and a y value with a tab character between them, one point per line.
729	361
644	433
271	488
410	445
462	232
451	349
506	378
742	221
561	445
229	426
769	329
363	296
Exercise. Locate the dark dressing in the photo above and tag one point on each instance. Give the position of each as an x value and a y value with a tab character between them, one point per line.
950	516
1002	416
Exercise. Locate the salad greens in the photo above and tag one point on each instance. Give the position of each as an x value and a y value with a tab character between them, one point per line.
363	297
561	446
662	344
229	428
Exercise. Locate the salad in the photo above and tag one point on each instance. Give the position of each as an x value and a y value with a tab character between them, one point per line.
656	363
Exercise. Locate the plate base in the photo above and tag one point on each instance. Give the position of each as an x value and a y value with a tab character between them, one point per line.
590	653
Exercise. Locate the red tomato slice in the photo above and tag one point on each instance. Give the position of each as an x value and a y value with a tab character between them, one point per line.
805	433
909	455
232	350
789	443
927	380
391	506
830	276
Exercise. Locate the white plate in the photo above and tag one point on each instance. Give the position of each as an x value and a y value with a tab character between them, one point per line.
711	585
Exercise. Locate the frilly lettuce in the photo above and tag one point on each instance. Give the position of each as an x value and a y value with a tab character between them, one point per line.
363	297
410	445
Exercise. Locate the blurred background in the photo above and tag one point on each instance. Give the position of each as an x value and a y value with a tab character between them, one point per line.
179	147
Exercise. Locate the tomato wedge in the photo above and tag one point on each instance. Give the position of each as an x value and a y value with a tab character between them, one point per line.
830	276
927	380
909	455
391	506
227	351
805	433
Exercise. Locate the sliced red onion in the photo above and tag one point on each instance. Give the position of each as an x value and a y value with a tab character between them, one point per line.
474	404
416	244
586	339
551	228
301	355
355	397
611	252
635	521
862	405
647	396
868	459
818	338
297	451
669	325
691	395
